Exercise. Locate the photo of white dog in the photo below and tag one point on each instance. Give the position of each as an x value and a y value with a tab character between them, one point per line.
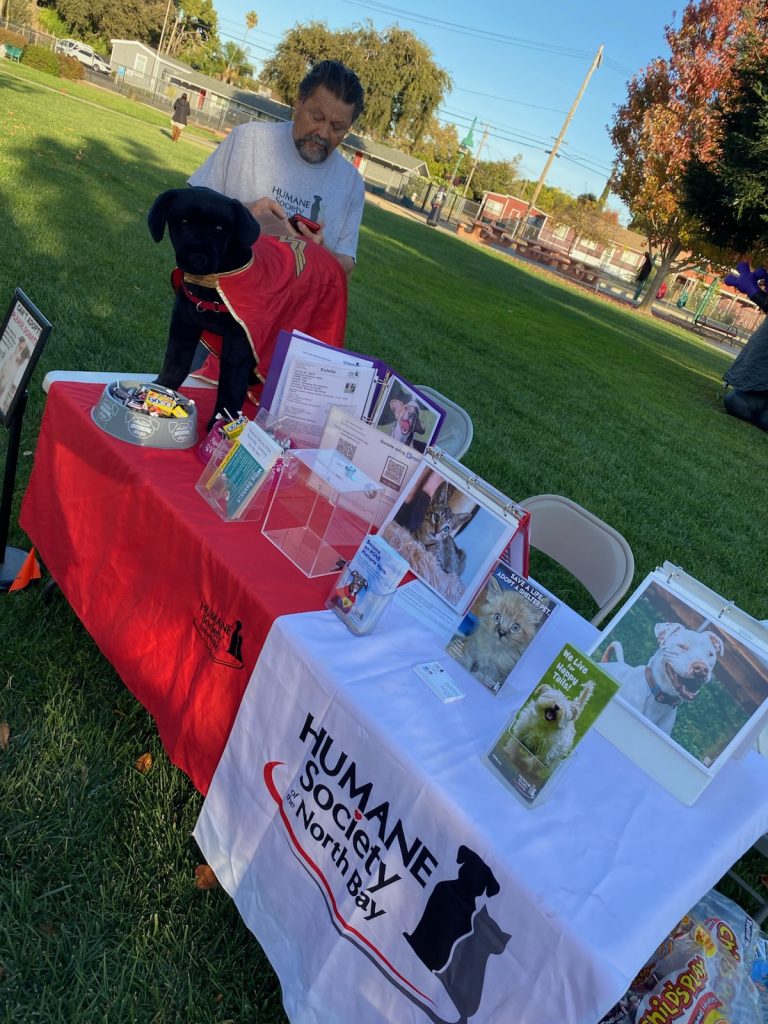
674	674
545	724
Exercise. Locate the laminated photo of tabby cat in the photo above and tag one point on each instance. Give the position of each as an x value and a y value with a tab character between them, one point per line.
426	530
500	625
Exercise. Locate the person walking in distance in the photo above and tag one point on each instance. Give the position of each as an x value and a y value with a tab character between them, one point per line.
642	276
179	117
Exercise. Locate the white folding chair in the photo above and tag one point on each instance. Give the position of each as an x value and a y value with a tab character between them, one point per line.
457	431
589	549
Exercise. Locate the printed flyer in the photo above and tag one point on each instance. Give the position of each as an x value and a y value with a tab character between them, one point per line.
551	723
499	627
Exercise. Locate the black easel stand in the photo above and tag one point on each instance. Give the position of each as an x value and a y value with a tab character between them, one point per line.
13	558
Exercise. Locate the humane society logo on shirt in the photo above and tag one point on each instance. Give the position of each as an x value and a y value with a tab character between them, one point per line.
292	203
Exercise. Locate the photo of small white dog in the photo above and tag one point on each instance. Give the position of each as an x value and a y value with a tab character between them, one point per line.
674	674
546	724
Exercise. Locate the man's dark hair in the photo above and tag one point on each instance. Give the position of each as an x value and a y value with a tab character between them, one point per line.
339	80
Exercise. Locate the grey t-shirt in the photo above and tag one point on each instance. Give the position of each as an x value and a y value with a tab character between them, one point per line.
260	159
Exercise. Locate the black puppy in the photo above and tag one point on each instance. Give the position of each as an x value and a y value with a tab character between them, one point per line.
239	290
210	235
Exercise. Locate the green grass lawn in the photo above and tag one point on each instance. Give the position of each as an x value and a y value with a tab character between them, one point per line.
99	917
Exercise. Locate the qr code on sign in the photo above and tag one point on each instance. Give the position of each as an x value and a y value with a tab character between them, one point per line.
346	448
393	473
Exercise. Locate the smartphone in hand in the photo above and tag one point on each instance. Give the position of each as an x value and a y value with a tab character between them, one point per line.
297	219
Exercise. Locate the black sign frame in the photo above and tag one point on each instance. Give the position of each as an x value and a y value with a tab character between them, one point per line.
23	335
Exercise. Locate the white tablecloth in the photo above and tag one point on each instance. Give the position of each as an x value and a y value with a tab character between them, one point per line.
351	806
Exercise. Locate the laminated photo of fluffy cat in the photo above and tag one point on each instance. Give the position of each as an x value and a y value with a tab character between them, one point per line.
501	623
449	533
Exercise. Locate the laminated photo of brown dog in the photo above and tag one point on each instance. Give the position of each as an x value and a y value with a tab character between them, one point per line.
236	289
406	417
683	670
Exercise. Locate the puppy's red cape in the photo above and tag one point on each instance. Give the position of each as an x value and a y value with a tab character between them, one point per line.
290	285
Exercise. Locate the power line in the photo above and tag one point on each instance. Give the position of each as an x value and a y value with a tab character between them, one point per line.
504	99
469	30
531	142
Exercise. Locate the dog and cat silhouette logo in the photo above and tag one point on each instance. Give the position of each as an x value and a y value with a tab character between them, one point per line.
453	939
222	637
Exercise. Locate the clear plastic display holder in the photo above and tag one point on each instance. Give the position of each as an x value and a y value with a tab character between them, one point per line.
238	484
320	510
366	585
523	774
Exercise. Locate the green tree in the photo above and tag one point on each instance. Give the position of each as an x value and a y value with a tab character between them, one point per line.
100	21
499	176
730	197
437	147
403	84
193	36
585	216
251	21
236	63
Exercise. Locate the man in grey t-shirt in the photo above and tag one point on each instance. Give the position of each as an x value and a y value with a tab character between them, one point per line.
281	169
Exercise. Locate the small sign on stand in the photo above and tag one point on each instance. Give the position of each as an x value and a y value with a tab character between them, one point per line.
23	335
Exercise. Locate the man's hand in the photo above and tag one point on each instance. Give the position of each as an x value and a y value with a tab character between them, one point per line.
266	207
747	280
347	263
274	221
302	231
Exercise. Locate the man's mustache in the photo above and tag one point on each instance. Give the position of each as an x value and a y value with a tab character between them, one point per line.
317	140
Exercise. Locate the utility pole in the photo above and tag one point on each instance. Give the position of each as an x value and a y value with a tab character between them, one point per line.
477	157
160	47
558	141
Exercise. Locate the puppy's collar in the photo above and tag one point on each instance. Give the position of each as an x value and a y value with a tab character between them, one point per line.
212	280
658	693
204	281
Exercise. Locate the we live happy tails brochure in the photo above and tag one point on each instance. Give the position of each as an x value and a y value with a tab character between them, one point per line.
551	723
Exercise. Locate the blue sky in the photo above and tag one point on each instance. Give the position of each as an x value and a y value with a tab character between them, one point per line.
517	67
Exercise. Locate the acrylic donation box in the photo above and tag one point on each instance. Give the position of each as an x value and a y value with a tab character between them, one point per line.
321	509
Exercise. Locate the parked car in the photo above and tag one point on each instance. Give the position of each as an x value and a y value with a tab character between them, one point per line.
84	53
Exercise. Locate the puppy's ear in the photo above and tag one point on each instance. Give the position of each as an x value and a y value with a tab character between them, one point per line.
665	631
717	643
157	217
490	884
246	225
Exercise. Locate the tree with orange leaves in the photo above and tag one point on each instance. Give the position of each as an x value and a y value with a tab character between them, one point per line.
674	112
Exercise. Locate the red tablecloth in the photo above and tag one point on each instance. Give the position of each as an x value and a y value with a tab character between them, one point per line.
179	601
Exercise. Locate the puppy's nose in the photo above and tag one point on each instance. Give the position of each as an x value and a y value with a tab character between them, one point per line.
699	668
198	262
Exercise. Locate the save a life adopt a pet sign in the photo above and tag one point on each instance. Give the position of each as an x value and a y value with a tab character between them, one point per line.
693	672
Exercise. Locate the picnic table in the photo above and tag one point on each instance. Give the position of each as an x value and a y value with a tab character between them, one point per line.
559	261
581	272
13	52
